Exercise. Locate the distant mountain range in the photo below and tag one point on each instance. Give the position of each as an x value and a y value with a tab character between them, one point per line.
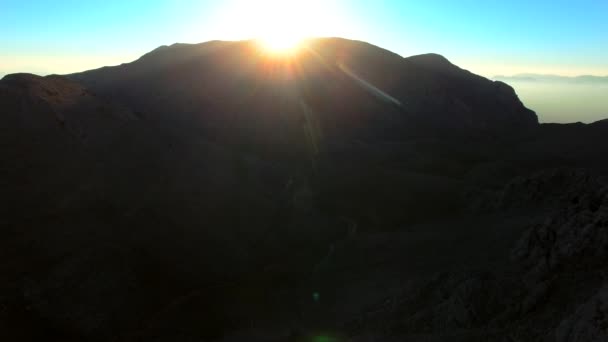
583	79
214	192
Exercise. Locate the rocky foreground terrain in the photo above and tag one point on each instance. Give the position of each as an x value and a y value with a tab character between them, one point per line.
213	192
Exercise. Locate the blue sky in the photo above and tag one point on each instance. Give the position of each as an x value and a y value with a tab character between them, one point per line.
487	37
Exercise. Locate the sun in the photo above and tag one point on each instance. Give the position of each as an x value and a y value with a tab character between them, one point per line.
281	43
281	25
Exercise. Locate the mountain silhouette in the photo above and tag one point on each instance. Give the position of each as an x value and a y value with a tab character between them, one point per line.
218	192
217	79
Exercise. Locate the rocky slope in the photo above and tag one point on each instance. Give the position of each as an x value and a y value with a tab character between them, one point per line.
213	192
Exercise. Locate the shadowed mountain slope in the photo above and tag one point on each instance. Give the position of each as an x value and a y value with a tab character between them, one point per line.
217	80
215	192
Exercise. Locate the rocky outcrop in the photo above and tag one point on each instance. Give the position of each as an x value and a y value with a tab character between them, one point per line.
463	300
565	252
574	233
589	323
32	100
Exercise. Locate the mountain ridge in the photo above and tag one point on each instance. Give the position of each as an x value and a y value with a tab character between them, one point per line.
385	70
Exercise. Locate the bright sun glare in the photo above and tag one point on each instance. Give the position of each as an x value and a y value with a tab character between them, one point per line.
280	42
280	26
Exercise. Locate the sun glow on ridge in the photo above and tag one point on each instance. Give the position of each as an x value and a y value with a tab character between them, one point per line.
280	26
280	43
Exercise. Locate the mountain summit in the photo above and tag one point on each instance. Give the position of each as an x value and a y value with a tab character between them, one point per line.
335	79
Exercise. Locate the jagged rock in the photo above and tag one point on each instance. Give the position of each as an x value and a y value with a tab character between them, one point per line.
575	232
548	188
464	301
589	323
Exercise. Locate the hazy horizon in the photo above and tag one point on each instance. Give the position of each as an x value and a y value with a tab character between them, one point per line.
560	99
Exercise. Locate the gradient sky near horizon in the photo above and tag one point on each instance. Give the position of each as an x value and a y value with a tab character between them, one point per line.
487	37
